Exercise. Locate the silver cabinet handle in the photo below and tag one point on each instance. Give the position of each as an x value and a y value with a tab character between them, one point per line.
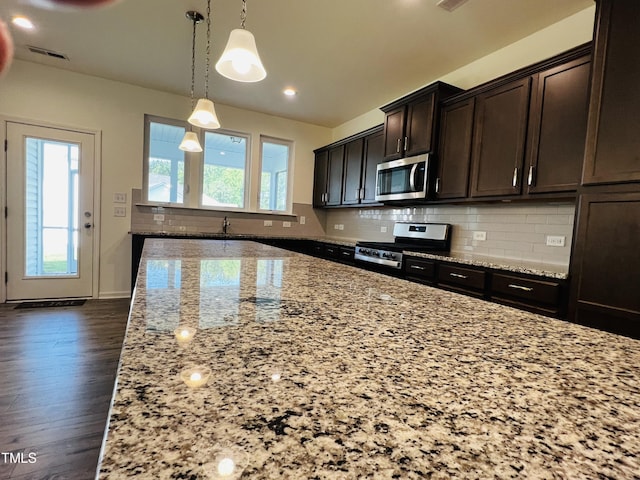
417	267
515	177
457	275
406	143
438	185
530	177
520	287
398	146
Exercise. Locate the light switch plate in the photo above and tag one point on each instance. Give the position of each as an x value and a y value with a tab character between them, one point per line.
119	211
119	197
303	220
268	223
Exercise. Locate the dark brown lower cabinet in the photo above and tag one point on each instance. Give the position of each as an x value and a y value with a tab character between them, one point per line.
541	296
469	280
605	265
420	269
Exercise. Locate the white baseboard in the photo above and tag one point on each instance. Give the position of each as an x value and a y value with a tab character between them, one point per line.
108	295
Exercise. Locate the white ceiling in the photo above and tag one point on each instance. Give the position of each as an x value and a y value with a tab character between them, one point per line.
345	57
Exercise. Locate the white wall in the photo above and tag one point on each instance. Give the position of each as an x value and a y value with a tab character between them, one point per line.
53	96
559	37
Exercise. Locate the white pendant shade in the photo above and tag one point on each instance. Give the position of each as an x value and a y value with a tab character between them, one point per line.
204	115
190	143
240	60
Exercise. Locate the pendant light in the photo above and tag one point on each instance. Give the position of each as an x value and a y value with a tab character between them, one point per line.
240	60
190	142
204	115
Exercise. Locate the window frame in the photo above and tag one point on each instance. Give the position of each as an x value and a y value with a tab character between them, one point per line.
187	156
289	188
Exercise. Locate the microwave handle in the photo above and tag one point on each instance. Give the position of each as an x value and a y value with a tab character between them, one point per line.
412	177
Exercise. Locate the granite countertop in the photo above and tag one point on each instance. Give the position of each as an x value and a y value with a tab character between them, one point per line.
325	371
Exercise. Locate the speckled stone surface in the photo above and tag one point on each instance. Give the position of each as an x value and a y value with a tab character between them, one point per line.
560	272
324	371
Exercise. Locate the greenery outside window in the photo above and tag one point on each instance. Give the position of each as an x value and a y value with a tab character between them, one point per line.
224	170
275	161
165	168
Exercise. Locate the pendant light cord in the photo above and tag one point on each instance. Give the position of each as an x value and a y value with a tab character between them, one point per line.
193	63
243	15
206	73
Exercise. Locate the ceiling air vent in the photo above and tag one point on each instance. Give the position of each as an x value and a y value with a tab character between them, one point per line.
450	5
48	53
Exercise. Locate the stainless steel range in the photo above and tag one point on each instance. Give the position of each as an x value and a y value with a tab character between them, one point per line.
416	237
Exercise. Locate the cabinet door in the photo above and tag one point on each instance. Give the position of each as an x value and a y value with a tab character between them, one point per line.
613	141
419	128
352	172
394	133
606	264
335	170
499	139
373	155
558	127
320	178
456	128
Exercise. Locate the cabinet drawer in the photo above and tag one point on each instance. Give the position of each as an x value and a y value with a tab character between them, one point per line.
420	269
465	278
529	290
346	254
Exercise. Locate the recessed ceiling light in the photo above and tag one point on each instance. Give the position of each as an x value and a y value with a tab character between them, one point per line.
290	92
22	22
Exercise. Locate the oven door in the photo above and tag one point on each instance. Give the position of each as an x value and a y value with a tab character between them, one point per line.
403	179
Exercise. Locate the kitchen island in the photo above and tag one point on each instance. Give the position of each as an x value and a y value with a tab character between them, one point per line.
322	370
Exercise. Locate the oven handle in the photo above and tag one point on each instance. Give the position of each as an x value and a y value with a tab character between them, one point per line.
412	177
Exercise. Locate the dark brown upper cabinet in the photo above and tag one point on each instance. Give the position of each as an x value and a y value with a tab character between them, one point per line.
351	180
500	128
410	126
456	129
373	155
345	171
320	178
334	176
558	127
327	177
612	152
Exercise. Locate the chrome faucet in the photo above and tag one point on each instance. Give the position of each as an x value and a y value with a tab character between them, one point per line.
225	224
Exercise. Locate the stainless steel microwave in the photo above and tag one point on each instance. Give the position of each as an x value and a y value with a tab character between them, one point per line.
404	179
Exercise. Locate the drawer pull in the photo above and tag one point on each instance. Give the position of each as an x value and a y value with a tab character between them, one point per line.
417	267
520	287
346	254
457	275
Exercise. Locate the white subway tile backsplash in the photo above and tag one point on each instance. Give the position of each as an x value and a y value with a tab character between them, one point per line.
513	231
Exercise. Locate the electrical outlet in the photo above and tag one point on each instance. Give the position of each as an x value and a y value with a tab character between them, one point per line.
303	220
119	211
286	224
158	217
555	240
481	236
119	198
383	229
182	228
268	223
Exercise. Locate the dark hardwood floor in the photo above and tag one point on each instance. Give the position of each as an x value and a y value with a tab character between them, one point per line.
57	371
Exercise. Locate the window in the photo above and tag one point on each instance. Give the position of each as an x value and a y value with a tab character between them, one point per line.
224	176
224	170
274	174
164	163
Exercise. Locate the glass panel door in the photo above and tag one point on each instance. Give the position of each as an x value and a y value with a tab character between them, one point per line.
51	206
